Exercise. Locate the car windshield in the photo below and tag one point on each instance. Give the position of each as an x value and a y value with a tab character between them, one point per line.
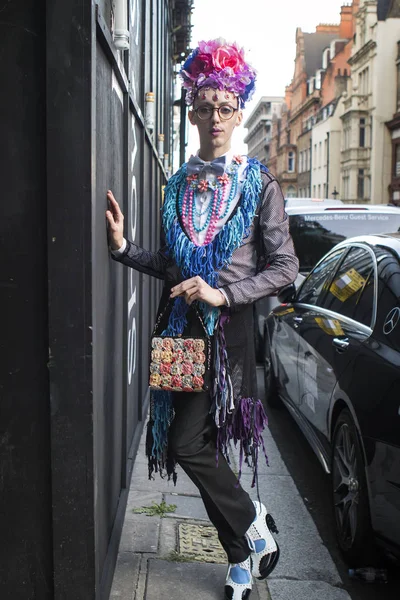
315	234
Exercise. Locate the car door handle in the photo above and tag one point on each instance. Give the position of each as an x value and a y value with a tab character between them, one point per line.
297	321
341	343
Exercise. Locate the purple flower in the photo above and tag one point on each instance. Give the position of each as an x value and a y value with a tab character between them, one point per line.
218	65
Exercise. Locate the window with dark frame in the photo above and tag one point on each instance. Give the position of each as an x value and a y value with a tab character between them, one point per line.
362	133
398	87
319	279
360	184
357	301
291	162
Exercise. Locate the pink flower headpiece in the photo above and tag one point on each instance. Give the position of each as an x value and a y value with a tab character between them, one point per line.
218	65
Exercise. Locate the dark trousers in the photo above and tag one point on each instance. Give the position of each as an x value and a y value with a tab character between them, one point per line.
192	440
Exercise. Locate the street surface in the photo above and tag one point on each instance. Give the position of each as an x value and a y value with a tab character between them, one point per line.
314	487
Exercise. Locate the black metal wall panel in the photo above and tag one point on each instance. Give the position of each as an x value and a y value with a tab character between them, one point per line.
69	63
25	484
108	297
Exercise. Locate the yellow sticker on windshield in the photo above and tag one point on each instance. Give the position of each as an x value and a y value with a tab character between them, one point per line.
347	284
330	326
283	312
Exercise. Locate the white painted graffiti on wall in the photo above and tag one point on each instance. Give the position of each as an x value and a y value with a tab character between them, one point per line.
132	291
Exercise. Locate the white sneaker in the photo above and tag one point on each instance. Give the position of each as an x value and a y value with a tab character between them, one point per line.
239	581
265	550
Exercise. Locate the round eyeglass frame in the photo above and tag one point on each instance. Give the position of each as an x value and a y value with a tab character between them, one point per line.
217	108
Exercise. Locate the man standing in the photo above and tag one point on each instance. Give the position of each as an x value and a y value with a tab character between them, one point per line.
226	244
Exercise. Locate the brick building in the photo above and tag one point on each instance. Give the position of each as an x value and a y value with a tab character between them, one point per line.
324	129
283	152
319	55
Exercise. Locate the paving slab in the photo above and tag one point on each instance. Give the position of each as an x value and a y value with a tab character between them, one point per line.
141	482
137	499
187	507
197	581
140	534
125	576
168	537
305	590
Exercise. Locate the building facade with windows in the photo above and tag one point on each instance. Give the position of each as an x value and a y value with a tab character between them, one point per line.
366	155
394	128
304	145
282	162
320	62
325	144
259	126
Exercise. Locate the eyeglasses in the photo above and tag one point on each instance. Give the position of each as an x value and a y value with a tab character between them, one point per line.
225	112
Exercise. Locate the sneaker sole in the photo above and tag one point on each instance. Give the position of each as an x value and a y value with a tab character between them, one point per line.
244	597
271	565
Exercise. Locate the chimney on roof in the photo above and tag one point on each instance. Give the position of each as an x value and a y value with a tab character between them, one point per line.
347	23
341	82
327	28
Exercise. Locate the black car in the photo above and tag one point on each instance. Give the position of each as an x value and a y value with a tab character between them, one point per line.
332	356
316	227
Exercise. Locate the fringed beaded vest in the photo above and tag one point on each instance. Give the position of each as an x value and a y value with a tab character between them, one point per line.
240	420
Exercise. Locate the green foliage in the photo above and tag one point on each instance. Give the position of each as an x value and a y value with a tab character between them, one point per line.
155	509
174	556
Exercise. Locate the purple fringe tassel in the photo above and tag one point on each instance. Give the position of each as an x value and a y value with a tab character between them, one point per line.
242	421
245	427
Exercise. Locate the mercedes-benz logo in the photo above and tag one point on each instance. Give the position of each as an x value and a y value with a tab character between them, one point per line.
391	320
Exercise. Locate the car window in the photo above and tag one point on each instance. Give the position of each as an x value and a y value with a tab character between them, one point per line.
387	327
351	293
319	278
315	233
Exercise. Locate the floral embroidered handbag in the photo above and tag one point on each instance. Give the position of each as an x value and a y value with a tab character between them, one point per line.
180	363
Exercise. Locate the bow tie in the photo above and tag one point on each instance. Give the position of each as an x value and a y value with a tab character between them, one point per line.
195	165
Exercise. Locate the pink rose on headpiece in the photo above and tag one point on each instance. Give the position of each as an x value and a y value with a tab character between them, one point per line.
203	63
208	47
228	56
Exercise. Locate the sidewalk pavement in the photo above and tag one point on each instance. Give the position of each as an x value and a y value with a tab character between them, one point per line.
149	563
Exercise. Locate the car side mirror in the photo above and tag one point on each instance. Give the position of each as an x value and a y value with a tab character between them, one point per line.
287	294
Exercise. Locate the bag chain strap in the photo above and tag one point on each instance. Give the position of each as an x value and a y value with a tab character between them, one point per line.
160	316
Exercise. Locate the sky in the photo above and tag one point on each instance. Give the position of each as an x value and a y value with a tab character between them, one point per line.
267	31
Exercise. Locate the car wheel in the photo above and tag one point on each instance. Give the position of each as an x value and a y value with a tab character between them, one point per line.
350	494
271	388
